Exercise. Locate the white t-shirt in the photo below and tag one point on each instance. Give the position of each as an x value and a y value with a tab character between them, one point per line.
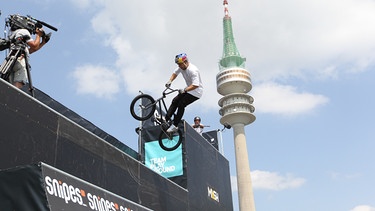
192	77
198	129
19	33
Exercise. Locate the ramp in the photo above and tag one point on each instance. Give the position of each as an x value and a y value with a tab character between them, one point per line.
35	131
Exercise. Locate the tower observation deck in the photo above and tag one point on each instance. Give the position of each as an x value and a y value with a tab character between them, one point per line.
234	82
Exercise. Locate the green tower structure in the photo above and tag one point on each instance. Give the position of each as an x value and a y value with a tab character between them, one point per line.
231	55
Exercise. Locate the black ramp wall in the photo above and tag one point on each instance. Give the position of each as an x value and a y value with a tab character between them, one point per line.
21	189
44	188
205	171
33	133
208	176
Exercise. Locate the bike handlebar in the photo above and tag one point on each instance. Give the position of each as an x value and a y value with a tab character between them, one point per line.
169	90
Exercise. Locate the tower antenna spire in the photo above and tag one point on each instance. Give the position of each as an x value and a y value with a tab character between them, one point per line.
225	3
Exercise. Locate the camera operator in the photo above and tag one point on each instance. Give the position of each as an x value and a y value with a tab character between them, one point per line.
18	75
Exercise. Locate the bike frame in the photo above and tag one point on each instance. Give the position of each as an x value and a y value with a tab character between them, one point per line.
166	140
160	101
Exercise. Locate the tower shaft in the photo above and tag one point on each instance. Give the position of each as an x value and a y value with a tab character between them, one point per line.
245	196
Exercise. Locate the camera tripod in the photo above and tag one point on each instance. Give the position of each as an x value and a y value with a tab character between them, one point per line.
17	50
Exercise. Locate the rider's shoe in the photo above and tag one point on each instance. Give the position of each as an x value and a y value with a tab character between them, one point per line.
172	129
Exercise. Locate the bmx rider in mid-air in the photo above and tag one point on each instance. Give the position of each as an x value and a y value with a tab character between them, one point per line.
192	92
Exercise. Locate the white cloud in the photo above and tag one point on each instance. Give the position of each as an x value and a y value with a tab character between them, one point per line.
96	80
271	181
363	208
275	181
286	100
281	40
295	38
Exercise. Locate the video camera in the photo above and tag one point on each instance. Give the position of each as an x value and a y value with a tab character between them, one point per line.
27	22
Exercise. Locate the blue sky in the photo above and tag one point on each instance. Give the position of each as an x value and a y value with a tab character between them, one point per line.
312	65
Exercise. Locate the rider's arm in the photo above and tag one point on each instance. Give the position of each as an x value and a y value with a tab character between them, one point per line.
35	44
195	81
173	76
191	87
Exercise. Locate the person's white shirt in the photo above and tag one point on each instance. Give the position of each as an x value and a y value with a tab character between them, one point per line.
192	77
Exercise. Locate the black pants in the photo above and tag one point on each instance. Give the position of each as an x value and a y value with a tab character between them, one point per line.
179	102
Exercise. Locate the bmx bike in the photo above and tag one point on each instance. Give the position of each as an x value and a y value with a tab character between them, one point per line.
143	107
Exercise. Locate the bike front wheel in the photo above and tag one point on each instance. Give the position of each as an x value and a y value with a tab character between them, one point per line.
142	107
170	141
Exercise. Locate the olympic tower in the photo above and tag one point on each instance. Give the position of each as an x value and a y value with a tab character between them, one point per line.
234	82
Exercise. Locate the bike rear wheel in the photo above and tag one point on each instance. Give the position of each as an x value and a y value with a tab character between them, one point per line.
170	141
142	107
